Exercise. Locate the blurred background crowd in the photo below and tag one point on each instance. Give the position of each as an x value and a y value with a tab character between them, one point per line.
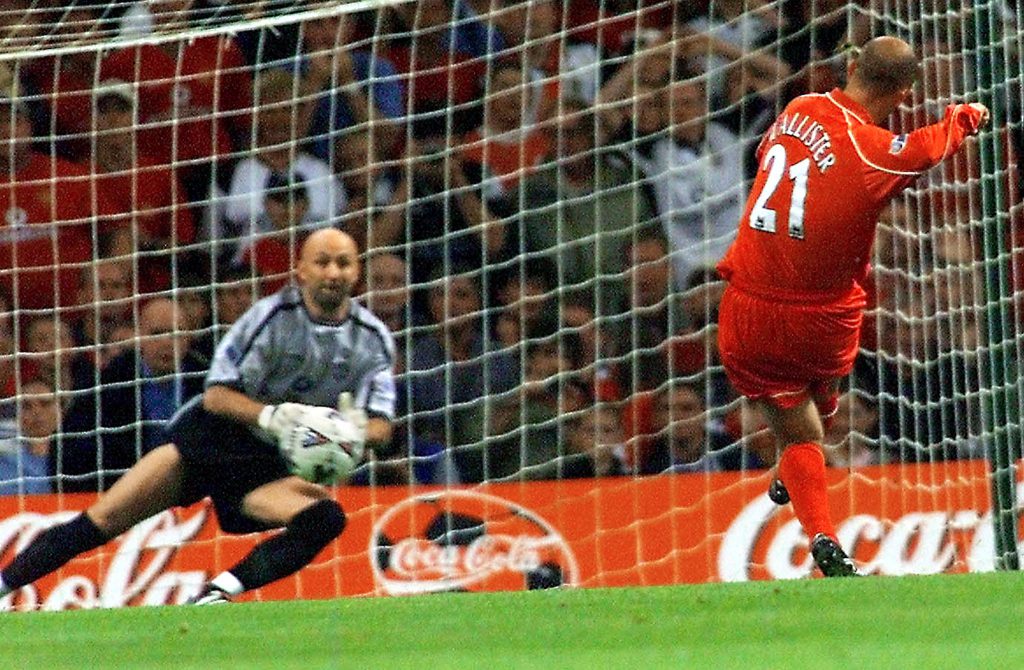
541	188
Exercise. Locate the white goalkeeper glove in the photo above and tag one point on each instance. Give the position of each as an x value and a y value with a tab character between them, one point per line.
354	415
279	420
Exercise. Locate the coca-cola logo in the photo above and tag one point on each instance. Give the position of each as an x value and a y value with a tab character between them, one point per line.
136	572
757	546
467	540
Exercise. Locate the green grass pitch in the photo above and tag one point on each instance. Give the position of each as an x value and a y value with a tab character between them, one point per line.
964	621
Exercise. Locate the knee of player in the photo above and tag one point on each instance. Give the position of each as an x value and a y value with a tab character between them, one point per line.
325	515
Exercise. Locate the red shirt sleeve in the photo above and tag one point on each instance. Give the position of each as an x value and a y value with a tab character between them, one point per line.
184	223
893	162
236	89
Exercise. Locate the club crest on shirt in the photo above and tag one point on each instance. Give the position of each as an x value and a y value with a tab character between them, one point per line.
16	217
898	143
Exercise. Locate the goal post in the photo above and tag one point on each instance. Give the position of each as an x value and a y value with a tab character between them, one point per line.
1004	336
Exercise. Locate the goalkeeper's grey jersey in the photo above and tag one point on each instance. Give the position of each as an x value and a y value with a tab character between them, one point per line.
276	352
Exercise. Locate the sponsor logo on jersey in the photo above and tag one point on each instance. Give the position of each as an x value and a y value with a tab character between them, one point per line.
898	143
467	541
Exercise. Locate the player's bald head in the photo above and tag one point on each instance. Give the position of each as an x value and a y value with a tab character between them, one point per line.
886	65
327	240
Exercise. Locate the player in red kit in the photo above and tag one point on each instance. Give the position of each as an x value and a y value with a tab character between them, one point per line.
790	319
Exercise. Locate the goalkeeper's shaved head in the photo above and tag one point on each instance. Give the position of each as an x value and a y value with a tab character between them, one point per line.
886	65
327	239
327	270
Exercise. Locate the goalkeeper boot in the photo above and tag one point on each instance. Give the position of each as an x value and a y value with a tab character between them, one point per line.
777	492
830	557
209	595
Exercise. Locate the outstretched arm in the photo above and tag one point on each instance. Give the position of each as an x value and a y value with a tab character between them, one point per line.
893	162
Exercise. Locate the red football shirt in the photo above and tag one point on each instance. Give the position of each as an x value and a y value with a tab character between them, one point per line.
509	160
826	172
436	85
191	104
69	93
47	231
272	258
150	196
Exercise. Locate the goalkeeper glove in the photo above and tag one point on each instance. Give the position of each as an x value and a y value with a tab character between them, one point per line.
279	419
354	415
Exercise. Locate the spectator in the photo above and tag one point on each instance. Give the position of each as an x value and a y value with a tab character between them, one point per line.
8	377
639	124
555	68
594	444
685	442
387	293
525	296
472	35
348	87
277	153
810	54
122	339
144	18
25	468
732	38
437	213
48	214
580	212
554	384
694	175
51	355
368	184
611	25
633	102
149	200
440	82
106	297
194	297
66	83
851	439
272	249
233	295
503	150
454	365
106	432
516	443
424	459
194	97
654	314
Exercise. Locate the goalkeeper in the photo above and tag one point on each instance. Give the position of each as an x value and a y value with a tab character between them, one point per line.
310	345
790	319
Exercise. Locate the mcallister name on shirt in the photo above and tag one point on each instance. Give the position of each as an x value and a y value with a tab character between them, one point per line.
811	133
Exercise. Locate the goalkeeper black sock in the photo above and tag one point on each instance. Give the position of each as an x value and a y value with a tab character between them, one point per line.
290	550
52	549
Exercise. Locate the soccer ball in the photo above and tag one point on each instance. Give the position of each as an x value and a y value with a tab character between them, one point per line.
324	448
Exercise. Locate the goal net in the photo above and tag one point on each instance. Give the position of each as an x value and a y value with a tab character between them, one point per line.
541	191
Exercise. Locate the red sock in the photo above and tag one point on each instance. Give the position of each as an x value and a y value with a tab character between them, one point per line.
802	470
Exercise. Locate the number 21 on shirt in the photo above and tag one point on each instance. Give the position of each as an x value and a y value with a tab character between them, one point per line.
762	217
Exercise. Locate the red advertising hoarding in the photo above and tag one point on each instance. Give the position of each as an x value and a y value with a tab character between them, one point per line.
606	532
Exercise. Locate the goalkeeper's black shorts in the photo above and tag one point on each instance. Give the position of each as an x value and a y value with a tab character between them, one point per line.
224	460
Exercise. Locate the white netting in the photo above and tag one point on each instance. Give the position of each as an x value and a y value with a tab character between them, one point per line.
542	190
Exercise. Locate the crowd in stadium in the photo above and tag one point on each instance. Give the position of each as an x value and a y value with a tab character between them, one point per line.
542	194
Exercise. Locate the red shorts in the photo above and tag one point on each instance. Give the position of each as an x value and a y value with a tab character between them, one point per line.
785	353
